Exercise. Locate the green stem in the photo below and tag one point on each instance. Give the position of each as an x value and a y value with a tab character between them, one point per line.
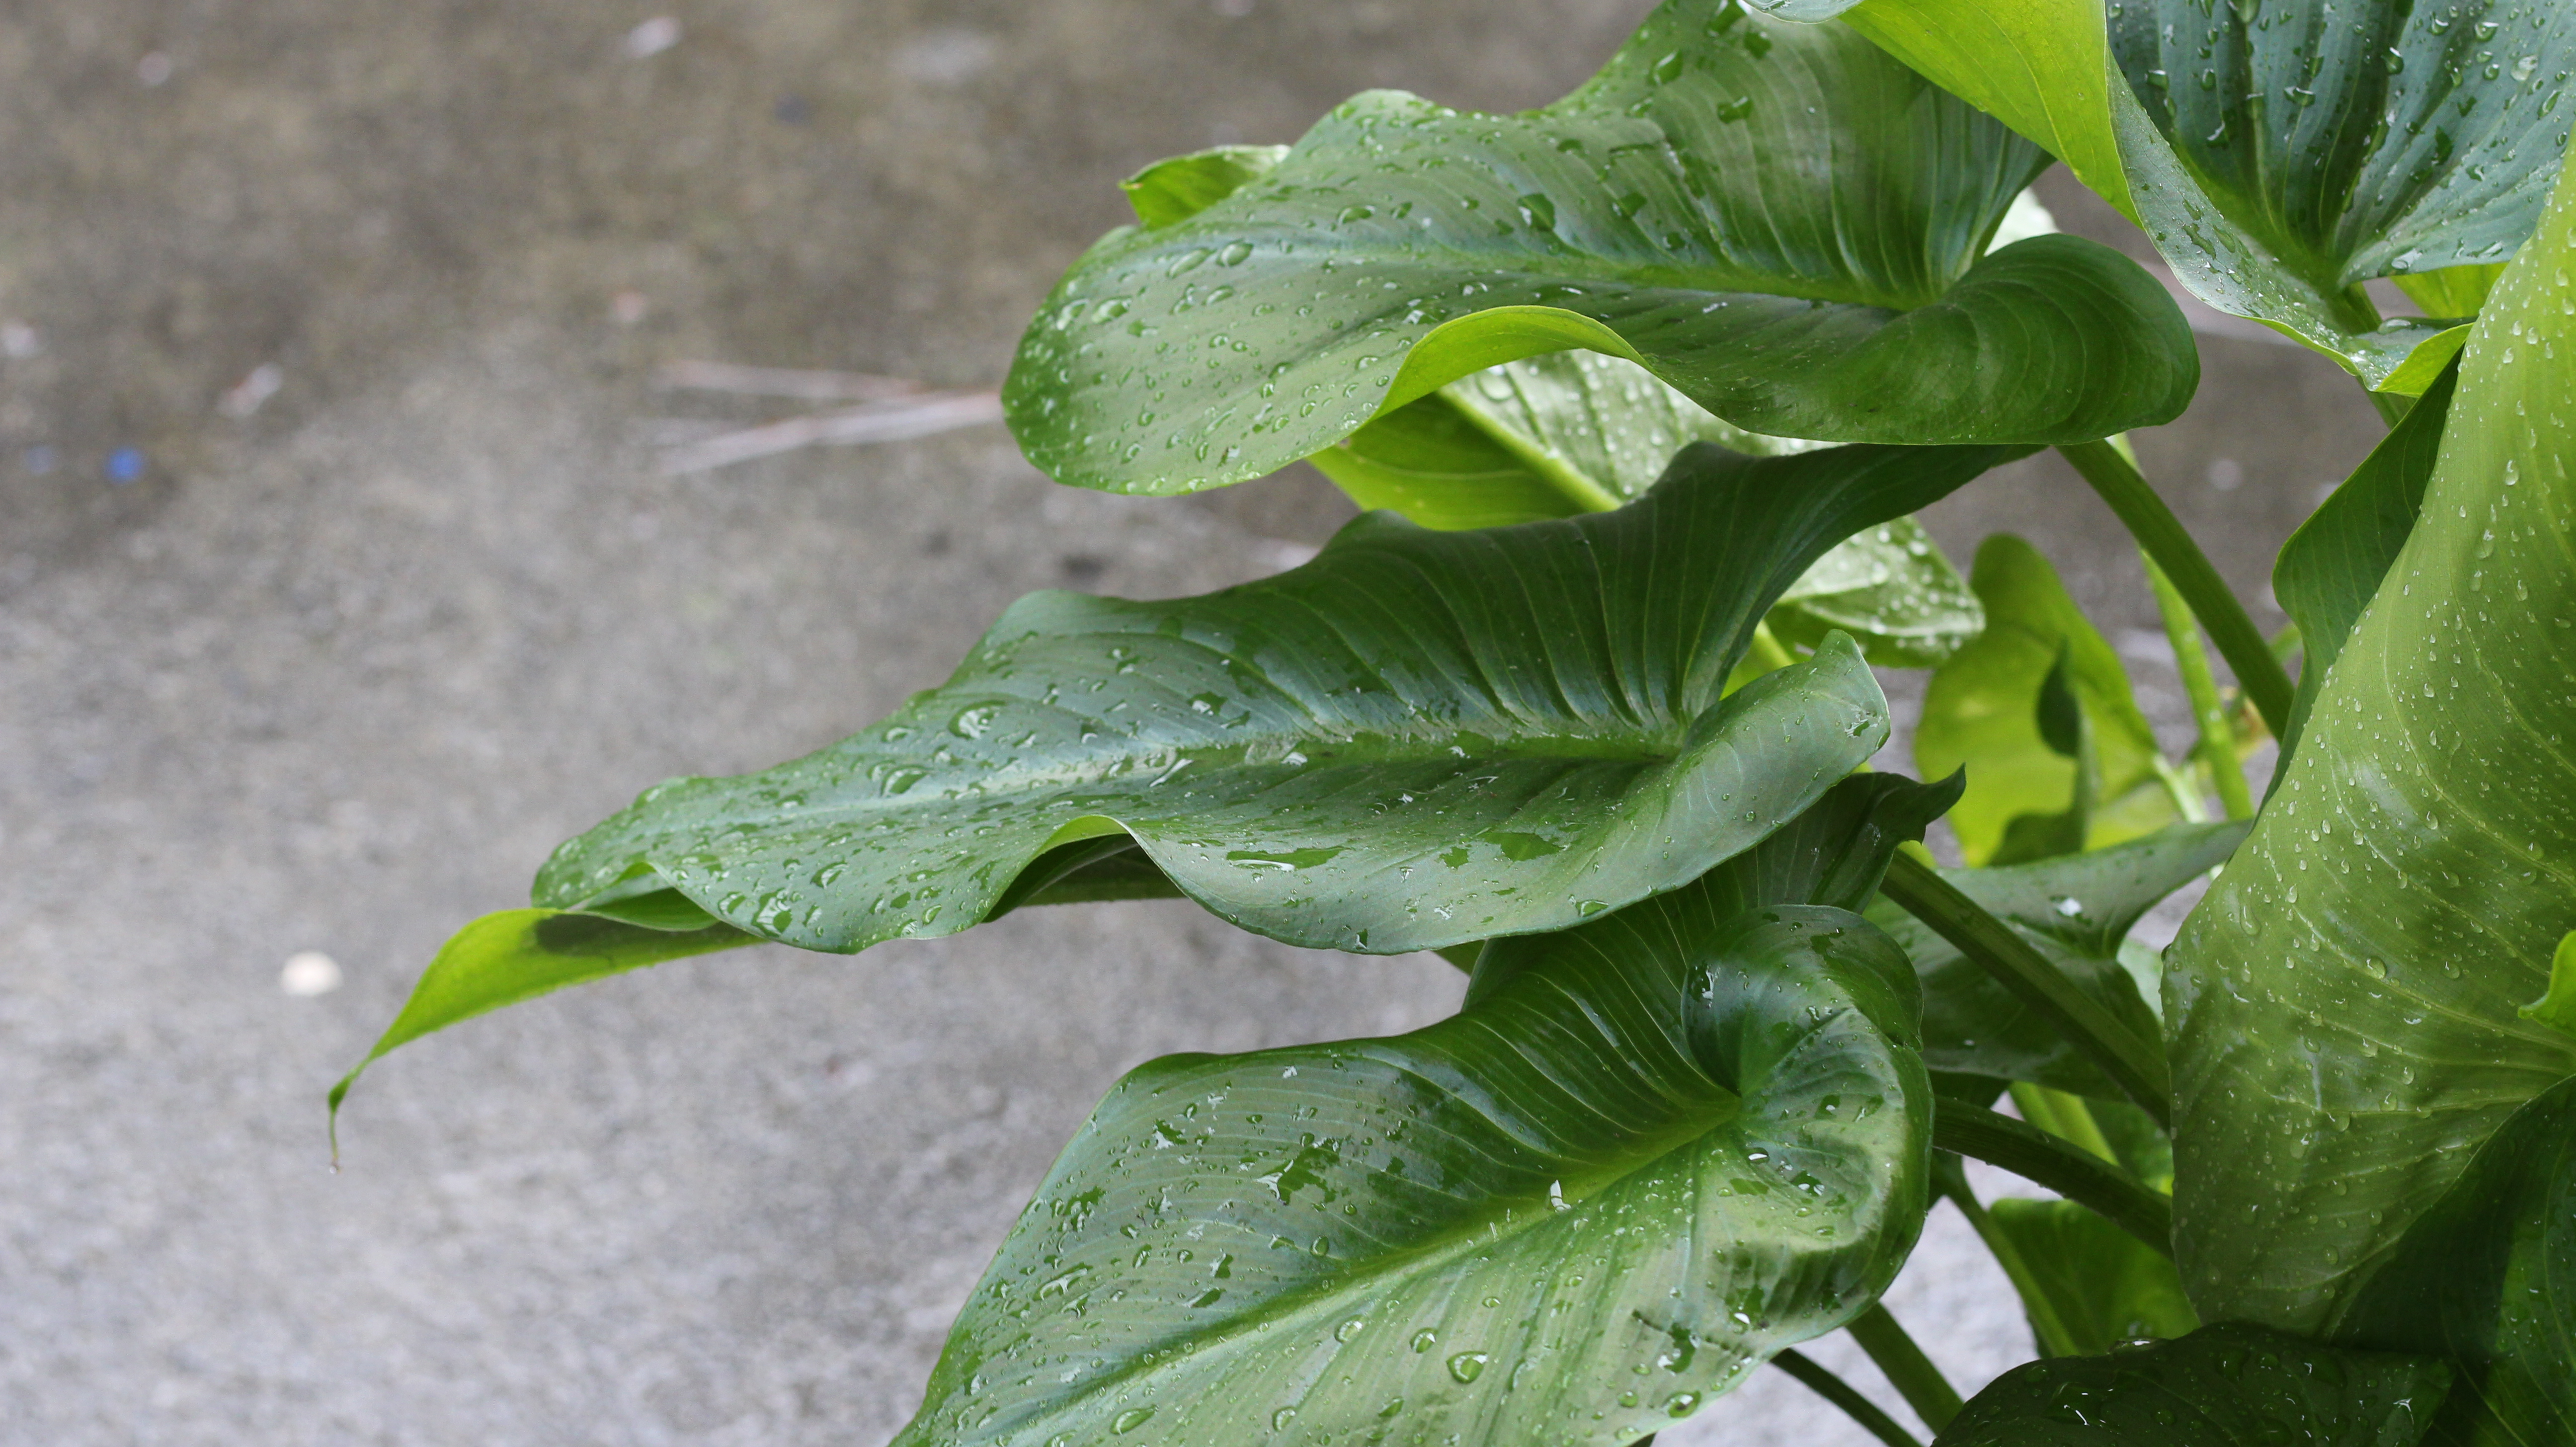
2054	1339
1839	1392
2217	747
2035	1155
2392	408
1582	491
2164	539
1909	1371
2136	1066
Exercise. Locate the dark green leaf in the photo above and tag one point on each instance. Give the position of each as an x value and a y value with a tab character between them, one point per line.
1778	220
2331	566
2075	910
2488	1276
2107	1286
1184	186
1649	1153
1984	712
502	959
1417	739
2347	1000
2222	1386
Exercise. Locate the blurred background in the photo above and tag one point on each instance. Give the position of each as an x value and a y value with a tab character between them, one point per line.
341	575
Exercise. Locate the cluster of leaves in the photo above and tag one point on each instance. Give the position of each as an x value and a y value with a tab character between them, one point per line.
1644	388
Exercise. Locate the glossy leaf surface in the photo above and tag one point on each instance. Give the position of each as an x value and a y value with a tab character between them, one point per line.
1417	739
1648	1153
1777	219
2106	1286
2488	1277
2076	910
1184	186
1984	712
2222	1386
2347	999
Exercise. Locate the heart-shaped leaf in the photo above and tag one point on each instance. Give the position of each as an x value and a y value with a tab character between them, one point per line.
2488	1276
1647	1154
1417	739
2347	1000
2038	711
1573	432
1778	220
2076	910
2106	1286
2222	1386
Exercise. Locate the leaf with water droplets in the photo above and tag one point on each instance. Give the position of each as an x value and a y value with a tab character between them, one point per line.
2347	1002
1182	187
1691	210
2222	1386
1645	1155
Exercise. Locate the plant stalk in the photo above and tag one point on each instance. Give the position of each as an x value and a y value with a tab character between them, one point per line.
1839	1392
2162	536
2061	1115
2136	1066
2217	746
1908	1370
1951	1180
2078	1175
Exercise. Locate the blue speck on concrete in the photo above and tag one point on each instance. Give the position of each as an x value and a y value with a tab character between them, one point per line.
125	464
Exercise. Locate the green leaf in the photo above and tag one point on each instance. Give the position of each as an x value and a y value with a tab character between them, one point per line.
1417	739
1778	220
2222	1386
2556	1007
1645	1155
2282	156
1184	186
1573	432
502	959
1983	712
2488	1276
2331	566
2107	1286
2077	911
2347	999
2452	291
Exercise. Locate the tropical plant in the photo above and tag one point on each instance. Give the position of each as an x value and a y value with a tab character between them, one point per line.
1644	387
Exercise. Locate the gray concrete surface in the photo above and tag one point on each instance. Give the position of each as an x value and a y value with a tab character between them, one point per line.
336	675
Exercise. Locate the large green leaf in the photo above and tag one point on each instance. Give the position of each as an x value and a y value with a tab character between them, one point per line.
2222	1386
1779	220
2488	1276
2329	568
2347	1000
2077	910
1572	432
2106	1286
1417	739
1986	711
1647	1153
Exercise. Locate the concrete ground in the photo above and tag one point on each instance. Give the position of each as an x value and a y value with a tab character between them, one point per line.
334	675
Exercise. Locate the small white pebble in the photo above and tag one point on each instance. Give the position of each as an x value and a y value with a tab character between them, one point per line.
309	973
628	307
154	69
653	36
19	341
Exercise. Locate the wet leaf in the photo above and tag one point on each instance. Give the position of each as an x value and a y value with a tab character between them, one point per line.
2077	911
2222	1386
1987	710
1184	186
1417	739
2347	1001
1647	1153
2107	1286
1697	208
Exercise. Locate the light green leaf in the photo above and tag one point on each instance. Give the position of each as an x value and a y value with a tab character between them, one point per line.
2488	1277
1646	1154
2347	1000
1777	219
2077	911
2107	1286
1417	739
2223	1386
2331	566
1983	712
502	959
1571	432
2452	291
2557	1006
1184	186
